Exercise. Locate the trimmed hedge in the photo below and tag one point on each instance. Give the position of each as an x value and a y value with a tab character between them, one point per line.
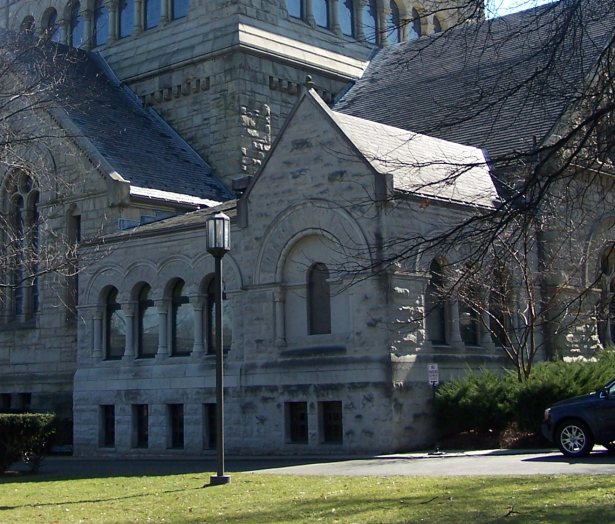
23	435
483	401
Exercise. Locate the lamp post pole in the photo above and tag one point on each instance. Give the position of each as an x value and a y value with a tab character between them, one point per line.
218	243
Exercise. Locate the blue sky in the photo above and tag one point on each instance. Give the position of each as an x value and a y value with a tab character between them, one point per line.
505	7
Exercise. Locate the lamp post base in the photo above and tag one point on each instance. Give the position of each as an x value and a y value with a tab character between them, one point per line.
217	480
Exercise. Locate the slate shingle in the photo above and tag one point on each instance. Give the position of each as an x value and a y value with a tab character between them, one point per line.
141	147
495	85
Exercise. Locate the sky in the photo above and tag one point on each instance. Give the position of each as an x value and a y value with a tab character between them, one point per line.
505	7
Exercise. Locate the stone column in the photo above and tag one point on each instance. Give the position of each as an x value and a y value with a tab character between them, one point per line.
129	309
280	328
485	339
359	5
97	320
309	13
64	31
163	314
164	12
383	13
608	339
87	28
199	346
112	6
455	334
335	22
138	28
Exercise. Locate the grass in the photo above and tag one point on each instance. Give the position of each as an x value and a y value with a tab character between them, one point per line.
255	498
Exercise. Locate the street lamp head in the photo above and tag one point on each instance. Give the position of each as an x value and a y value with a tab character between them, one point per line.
218	234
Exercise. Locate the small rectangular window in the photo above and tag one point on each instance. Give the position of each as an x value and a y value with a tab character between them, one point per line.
209	426
5	401
25	401
331	422
107	422
297	422
140	425
176	424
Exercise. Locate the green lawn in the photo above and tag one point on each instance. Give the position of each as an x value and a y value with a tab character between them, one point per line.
254	498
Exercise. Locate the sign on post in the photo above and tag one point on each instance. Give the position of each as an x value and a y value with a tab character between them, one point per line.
434	374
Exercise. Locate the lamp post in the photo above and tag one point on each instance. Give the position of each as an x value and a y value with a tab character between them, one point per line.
218	244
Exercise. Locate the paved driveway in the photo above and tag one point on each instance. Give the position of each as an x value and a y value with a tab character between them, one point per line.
470	463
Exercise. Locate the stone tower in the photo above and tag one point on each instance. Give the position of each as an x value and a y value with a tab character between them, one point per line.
225	73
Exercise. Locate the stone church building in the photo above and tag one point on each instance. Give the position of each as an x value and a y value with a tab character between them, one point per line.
313	124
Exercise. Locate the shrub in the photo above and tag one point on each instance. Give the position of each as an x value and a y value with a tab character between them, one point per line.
23	435
479	402
483	401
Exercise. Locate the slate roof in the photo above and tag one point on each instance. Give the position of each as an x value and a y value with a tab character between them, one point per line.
421	165
459	85
137	143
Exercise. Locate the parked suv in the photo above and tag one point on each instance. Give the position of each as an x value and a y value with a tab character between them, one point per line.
576	424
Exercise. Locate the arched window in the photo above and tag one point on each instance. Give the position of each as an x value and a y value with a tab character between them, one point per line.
321	12
180	8
369	15
393	30
227	319
437	26
127	17
52	30
101	23
77	26
500	322
345	16
115	327
182	322
606	328
468	320
318	300
152	13
147	324
27	24
295	8
434	305
23	246
414	28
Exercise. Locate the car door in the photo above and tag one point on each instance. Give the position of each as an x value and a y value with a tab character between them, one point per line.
604	413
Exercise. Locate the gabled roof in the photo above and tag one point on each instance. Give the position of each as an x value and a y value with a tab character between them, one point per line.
419	165
495	84
132	139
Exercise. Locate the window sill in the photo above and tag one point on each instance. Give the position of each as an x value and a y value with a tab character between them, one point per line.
16	325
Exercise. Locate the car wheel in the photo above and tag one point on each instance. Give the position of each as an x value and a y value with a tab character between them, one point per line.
574	439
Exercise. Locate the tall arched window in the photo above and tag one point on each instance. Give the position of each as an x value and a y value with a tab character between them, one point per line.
127	17
606	328
468	320
182	322
22	245
318	300
414	28
147	324
500	322
345	16
227	319
77	26
52	29
393	30
27	24
295	8
370	15
180	8
101	23
152	13
437	26
115	327
321	12
434	305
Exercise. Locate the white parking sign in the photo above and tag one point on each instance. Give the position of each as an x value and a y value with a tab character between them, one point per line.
434	374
